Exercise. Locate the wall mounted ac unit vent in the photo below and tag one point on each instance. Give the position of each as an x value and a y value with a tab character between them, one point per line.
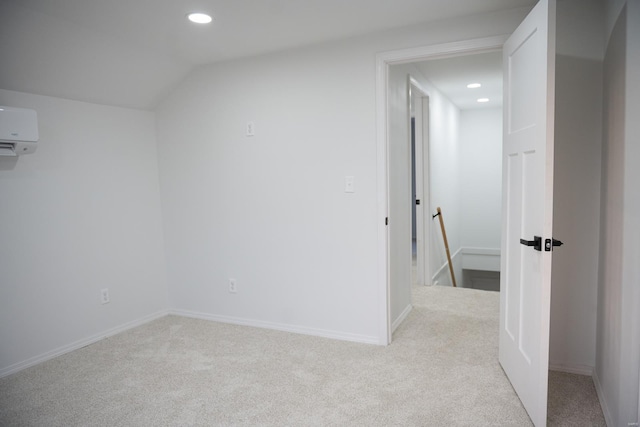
18	131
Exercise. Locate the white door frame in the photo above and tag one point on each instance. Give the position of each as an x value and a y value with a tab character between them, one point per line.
383	61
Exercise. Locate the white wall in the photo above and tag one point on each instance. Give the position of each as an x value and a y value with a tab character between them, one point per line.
618	347
481	178
631	278
444	170
81	214
270	210
577	175
576	216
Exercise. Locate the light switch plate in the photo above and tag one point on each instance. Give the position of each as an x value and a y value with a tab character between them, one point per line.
349	184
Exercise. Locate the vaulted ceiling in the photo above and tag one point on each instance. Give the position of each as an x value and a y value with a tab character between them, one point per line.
133	52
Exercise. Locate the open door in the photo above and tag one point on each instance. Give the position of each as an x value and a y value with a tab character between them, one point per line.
527	197
420	106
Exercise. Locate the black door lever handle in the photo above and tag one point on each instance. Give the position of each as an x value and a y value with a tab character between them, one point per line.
536	243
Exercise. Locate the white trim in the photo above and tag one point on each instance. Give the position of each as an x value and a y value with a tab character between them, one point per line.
364	339
382	183
485	259
32	361
571	369
383	60
443	50
444	268
481	251
603	403
401	318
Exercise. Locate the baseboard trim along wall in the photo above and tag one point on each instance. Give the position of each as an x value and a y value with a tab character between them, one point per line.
401	318
364	339
571	369
603	403
32	361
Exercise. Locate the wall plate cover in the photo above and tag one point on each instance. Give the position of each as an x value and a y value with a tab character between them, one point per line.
349	184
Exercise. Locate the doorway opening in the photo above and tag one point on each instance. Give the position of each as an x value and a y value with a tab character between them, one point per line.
445	152
419	163
464	167
394	202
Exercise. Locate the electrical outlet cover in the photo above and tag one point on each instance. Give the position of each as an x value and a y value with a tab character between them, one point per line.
104	296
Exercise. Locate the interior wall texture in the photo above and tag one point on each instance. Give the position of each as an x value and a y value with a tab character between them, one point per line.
618	333
270	210
444	179
480	178
578	140
80	214
576	215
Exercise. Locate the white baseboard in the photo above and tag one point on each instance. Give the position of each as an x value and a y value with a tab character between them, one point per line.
365	339
603	403
401	318
571	369
32	361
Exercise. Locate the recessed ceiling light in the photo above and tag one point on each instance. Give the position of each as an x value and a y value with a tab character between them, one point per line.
199	18
473	85
483	99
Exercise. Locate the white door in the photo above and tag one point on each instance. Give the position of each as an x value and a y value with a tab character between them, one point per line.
527	194
420	102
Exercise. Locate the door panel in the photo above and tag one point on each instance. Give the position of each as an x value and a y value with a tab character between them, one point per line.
527	206
420	102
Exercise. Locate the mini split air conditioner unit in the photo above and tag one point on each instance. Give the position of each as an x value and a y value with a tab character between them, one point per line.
18	131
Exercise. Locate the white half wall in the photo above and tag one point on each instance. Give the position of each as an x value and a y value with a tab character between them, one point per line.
80	214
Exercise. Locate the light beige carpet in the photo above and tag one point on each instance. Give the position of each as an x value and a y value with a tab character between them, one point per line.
441	370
